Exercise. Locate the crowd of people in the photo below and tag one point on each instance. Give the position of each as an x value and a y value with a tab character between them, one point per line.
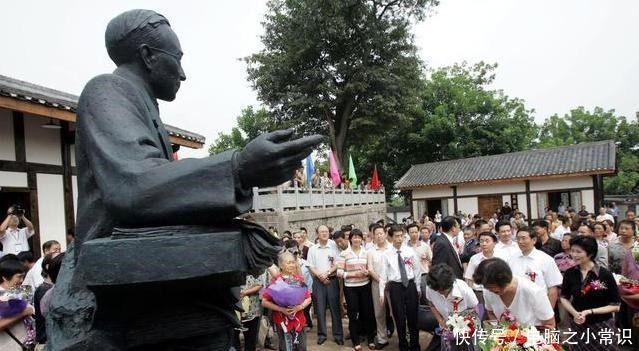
560	273
322	180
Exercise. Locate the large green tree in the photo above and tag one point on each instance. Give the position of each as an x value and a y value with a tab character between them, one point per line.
250	124
459	116
581	125
339	68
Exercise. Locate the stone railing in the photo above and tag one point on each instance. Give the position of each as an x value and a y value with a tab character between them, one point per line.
287	199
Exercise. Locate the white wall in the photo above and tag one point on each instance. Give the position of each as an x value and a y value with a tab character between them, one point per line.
588	200
451	208
491	188
521	204
533	206
74	187
51	208
42	145
561	183
433	193
468	205
13	179
72	155
7	142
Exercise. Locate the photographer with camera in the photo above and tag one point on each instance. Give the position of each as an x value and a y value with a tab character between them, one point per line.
12	238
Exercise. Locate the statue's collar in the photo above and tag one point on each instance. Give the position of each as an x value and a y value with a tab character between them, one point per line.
135	79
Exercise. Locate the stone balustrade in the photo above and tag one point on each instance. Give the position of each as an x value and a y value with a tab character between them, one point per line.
282	198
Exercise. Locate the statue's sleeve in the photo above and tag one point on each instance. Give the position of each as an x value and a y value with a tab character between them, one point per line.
137	183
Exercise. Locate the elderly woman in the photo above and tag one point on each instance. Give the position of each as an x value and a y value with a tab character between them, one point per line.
12	274
589	294
446	296
506	295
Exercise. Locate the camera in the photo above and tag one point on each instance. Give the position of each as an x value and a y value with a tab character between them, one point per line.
17	210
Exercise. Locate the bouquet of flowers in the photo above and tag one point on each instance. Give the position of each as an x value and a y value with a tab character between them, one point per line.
627	287
507	335
287	292
12	302
461	327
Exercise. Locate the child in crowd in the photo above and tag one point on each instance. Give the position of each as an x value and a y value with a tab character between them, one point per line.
289	319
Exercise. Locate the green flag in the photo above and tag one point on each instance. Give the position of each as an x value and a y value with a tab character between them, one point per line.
351	173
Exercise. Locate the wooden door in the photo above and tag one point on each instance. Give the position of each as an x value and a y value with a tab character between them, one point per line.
488	205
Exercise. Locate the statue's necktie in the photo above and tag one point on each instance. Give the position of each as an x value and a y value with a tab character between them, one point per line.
402	268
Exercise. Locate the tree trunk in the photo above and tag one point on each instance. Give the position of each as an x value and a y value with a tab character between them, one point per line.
343	116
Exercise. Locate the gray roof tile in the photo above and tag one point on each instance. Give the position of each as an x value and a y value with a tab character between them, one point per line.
590	158
37	94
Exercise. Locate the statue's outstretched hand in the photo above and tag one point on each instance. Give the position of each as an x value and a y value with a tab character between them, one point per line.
271	158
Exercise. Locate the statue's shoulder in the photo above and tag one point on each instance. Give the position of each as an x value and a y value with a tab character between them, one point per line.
107	83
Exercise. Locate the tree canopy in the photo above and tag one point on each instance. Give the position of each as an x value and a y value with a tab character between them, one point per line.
458	116
581	125
250	124
339	68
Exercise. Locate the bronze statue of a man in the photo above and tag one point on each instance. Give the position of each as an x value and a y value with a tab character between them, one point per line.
157	248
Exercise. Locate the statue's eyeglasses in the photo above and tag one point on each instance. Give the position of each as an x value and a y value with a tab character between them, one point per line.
177	57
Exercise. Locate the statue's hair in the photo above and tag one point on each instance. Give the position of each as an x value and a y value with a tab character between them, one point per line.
127	31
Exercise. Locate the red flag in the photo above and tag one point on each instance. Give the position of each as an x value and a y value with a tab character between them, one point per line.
375	180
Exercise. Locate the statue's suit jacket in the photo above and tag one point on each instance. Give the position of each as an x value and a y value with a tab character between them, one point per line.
127	178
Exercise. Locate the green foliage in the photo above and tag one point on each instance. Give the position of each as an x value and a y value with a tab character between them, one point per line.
458	117
250	124
339	68
581	125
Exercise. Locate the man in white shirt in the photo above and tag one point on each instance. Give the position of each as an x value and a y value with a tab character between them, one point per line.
322	264
603	215
422	249
562	229
34	276
536	265
506	247
375	268
12	238
402	272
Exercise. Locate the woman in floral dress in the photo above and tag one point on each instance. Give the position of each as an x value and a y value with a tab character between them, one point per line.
589	294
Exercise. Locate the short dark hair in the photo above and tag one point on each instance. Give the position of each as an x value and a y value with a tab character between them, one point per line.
304	229
488	234
47	245
589	226
627	222
338	234
479	223
10	266
587	243
54	267
501	224
394	229
26	256
440	277
412	225
375	227
448	223
493	271
541	224
355	232
526	229
371	226
347	228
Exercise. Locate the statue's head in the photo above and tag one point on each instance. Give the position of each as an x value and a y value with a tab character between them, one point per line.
144	39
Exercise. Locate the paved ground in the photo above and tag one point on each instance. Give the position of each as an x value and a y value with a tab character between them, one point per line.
330	345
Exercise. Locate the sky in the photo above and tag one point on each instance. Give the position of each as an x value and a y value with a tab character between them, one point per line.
556	55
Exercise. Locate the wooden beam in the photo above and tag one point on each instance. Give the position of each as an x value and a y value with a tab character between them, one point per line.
15	166
19	137
22	106
528	204
32	183
188	143
36	109
69	215
455	208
